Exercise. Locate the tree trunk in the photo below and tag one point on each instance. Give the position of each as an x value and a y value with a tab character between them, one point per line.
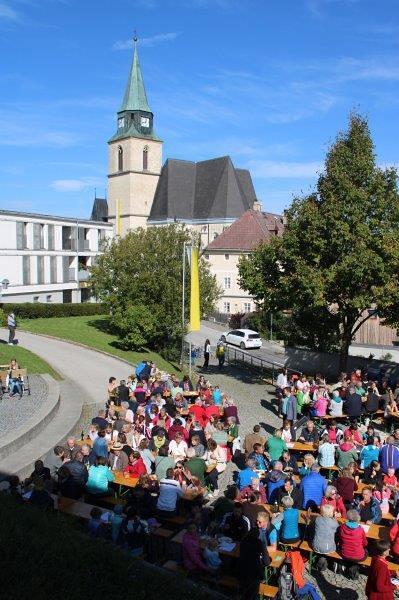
344	351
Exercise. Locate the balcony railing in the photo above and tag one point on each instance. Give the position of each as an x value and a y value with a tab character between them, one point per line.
83	275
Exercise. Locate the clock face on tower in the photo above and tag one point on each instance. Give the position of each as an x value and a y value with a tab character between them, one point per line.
145	122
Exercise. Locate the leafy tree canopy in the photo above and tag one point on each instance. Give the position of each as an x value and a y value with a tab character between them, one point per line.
139	277
339	253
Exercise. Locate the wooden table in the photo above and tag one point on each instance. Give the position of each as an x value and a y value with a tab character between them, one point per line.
124	482
75	508
235	553
301	447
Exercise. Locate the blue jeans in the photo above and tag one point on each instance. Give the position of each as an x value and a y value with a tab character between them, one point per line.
15	386
308	588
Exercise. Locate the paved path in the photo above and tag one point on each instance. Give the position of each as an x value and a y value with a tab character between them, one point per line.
14	412
87	369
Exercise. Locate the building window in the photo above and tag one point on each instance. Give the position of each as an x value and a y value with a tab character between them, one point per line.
145	158
215	235
21	235
227	283
35	299
120	158
48	298
247	307
50	237
226	307
227	256
53	269
40	269
26	270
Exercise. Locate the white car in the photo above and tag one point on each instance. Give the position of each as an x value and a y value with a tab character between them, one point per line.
245	338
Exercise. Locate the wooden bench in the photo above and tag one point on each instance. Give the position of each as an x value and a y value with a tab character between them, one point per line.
335	556
174	567
267	591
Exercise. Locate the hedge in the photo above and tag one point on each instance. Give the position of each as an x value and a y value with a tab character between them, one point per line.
44	310
47	555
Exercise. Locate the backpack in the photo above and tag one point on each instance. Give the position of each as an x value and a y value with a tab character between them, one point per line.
286	585
220	350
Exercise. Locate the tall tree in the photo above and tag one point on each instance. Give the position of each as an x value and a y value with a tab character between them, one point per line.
339	254
139	277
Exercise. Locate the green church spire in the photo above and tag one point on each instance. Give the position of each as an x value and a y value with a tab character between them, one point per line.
135	97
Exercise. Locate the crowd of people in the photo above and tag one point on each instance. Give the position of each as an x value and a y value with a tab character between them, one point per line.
176	437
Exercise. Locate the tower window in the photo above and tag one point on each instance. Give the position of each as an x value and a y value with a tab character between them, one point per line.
145	158
120	158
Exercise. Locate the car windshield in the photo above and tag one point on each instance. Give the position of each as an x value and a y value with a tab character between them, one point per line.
253	336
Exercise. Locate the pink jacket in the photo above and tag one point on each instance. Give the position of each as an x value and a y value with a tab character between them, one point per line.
321	406
192	559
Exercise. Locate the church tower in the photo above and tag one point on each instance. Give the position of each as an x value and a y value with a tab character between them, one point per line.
135	157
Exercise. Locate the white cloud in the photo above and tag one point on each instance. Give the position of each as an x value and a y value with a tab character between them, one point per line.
8	13
75	185
272	168
147	41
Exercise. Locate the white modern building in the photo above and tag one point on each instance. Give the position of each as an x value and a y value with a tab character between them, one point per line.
45	258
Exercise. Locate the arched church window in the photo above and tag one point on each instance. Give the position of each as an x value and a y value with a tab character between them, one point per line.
120	158
145	158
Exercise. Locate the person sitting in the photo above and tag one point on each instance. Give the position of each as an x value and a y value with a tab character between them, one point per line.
252	506
353	403
309	434
251	564
100	445
289	489
276	445
289	462
191	551
235	524
274	480
308	461
199	448
267	532
373	473
40	473
369	507
255	486
178	448
332	498
245	476
135	532
313	487
346	452
72	477
177	427
336	404
325	527
326	454
390	479
211	556
40	496
379	584
215	458
289	530
99	478
169	493
356	436
95	526
368	453
389	455
225	503
118	459
259	456
135	466
15	384
335	433
320	406
253	438
353	541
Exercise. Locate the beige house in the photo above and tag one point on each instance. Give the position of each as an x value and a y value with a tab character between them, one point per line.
254	227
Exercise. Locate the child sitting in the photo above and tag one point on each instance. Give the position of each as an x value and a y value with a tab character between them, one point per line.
382	493
390	479
211	556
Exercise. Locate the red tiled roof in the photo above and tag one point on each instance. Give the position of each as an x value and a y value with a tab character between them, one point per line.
250	230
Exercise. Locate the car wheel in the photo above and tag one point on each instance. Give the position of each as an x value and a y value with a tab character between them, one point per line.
242	346
223	338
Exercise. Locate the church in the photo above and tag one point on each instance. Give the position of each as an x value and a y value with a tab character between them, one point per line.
206	196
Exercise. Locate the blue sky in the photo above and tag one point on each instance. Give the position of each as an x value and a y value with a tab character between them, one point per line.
269	82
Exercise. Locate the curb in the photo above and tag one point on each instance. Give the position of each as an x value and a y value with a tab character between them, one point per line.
36	424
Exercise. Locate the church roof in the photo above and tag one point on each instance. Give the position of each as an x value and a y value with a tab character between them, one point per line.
99	211
251	229
135	97
207	190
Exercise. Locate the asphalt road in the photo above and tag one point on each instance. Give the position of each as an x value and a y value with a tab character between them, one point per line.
270	351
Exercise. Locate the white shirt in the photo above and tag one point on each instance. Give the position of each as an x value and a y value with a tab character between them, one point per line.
178	450
282	381
169	492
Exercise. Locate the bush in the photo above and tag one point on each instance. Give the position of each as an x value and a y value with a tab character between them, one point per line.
136	326
41	310
235	320
45	555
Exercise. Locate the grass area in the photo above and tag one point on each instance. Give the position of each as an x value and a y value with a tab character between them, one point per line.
93	331
26	359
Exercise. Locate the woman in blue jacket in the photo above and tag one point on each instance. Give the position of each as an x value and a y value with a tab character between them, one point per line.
289	530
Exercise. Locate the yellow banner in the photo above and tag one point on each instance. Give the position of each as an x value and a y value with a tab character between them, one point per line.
195	324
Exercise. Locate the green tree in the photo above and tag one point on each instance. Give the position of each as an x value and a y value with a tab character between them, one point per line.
339	254
144	269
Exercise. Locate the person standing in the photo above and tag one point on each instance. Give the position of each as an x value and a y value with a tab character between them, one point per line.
379	585
12	325
220	353
207	352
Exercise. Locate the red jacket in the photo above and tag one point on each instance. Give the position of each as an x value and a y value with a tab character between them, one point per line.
394	537
199	414
379	585
137	469
353	542
177	429
336	503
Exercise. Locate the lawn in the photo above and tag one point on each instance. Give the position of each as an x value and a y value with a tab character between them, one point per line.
26	359
93	331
